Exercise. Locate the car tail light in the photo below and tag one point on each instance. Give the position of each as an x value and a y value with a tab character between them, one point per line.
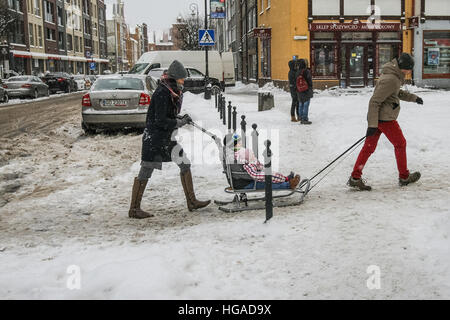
27	85
144	100
60	79
5	86
86	102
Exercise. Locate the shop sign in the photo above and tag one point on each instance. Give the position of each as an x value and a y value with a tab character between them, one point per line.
353	27
433	56
262	33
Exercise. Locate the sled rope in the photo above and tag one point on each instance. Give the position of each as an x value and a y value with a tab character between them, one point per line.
346	154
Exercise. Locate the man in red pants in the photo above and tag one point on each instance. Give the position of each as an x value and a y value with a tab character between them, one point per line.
384	108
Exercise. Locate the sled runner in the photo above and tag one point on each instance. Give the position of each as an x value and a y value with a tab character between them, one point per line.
251	199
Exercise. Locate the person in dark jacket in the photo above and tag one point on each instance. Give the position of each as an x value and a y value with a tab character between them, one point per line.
158	143
304	97
293	89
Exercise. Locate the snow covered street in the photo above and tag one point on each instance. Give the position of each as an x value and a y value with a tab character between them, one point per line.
64	200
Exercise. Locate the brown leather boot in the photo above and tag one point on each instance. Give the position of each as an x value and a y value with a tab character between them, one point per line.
293	183
136	197
294	119
192	202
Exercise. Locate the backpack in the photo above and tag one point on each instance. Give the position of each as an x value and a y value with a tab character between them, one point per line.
302	85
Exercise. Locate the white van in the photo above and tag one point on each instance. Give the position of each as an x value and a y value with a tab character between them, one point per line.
194	59
228	69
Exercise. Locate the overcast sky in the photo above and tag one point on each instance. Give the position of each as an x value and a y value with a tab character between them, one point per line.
158	14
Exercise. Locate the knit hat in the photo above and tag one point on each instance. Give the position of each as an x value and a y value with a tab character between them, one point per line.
177	71
405	61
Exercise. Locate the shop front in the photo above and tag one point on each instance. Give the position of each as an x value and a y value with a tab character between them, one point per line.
352	54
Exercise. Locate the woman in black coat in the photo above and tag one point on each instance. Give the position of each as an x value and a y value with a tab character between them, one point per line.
158	142
304	97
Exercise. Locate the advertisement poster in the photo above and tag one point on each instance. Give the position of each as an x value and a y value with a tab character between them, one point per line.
217	9
433	56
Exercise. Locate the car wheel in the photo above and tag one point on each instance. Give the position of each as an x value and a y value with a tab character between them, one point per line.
6	98
36	94
48	93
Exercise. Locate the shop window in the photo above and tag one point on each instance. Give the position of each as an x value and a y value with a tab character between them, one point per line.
357	36
324	60
388	36
389	7
436	53
386	52
265	59
323	36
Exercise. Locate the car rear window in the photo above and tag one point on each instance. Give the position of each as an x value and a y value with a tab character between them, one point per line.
118	84
19	79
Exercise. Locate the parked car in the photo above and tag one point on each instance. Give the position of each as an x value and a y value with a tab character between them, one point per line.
92	78
3	93
195	82
81	82
116	102
26	87
59	81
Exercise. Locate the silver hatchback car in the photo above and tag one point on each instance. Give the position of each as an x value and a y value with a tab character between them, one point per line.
116	102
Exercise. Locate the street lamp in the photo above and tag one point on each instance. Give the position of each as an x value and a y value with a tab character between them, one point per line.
194	8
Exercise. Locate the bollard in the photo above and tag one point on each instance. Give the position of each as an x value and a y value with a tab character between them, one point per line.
215	98
219	102
268	180
244	132
229	116
224	112
255	135
234	119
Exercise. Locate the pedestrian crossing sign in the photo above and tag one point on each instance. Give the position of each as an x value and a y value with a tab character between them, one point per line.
206	37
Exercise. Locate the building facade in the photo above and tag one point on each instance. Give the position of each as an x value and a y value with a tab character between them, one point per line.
49	35
117	38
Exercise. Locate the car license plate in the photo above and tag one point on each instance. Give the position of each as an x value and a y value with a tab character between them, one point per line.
116	103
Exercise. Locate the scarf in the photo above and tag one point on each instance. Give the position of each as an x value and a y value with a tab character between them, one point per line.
175	93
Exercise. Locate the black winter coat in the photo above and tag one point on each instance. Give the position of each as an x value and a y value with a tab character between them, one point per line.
308	94
292	79
161	122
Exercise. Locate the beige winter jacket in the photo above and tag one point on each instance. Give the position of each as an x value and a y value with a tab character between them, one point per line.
385	102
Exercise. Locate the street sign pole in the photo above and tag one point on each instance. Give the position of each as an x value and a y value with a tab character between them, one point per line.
206	48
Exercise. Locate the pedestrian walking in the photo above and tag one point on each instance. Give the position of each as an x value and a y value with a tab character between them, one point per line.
158	143
293	68
384	108
304	87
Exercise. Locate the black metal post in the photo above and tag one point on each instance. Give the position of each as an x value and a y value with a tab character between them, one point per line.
234	119
229	115
220	107
268	180
206	47
224	111
215	98
255	135
244	132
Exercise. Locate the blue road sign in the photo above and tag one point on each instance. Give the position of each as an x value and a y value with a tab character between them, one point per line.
206	37
92	65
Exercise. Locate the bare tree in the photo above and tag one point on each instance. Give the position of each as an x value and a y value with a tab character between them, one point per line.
7	17
187	35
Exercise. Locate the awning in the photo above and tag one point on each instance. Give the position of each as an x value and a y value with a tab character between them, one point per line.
21	54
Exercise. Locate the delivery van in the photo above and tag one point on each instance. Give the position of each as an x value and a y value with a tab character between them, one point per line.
228	69
194	59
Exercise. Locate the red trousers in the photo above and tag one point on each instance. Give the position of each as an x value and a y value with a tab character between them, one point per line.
394	133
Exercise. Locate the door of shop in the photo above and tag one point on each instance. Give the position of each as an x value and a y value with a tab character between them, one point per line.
357	65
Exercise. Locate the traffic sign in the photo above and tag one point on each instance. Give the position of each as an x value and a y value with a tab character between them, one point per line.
92	65
206	37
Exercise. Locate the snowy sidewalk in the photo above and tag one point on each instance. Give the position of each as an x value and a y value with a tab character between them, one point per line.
72	211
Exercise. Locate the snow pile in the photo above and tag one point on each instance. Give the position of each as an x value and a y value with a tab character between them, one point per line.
72	203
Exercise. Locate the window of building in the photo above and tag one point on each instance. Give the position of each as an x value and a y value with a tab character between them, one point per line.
77	44
266	68
357	8
437	8
324	57
325	7
61	42
40	36
69	42
436	54
383	36
37	7
50	34
31	32
60	16
388	7
49	12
